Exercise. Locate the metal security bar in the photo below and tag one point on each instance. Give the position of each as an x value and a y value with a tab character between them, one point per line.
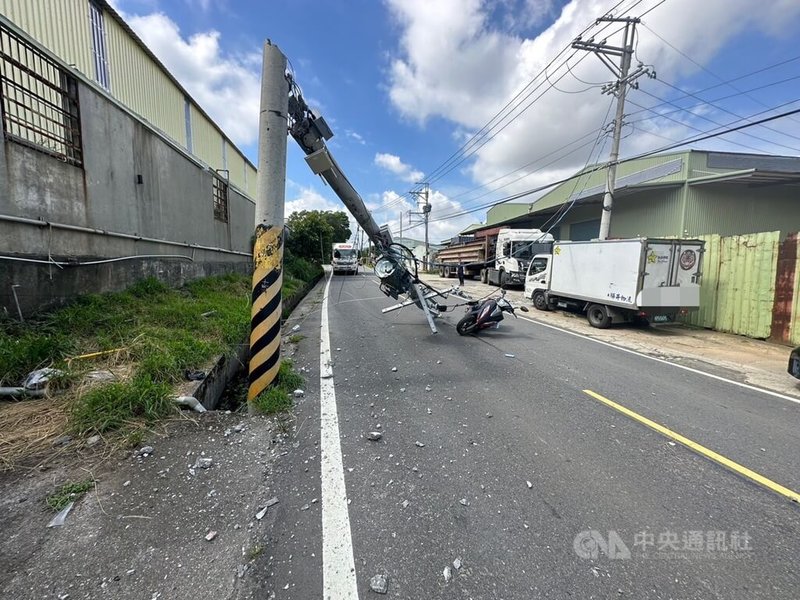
220	192
38	100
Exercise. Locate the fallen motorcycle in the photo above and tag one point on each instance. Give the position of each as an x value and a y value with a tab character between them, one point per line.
486	313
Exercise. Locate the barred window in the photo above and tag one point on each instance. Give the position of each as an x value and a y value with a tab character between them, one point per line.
220	193
38	100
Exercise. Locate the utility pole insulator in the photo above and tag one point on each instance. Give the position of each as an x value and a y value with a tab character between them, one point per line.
624	79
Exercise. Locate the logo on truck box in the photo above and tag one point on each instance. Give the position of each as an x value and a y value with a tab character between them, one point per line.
688	259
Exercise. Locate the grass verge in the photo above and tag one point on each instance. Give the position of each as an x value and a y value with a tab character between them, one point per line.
147	336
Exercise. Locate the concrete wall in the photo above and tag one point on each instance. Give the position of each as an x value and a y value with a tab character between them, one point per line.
174	203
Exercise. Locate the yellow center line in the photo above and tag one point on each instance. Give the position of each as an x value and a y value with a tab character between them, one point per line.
710	454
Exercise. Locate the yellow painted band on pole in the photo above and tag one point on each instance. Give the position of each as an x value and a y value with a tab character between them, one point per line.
710	454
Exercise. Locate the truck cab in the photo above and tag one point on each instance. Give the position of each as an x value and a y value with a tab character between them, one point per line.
537	279
514	251
344	259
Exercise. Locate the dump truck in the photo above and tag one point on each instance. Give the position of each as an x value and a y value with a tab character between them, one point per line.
639	280
500	259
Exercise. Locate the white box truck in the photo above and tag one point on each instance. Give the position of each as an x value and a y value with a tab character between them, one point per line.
344	259
615	281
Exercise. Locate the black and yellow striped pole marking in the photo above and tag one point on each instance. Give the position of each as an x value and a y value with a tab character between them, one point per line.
265	315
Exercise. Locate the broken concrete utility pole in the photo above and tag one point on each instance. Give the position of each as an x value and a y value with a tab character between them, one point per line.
265	320
618	88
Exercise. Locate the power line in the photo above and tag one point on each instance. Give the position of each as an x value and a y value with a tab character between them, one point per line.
472	144
678	144
704	68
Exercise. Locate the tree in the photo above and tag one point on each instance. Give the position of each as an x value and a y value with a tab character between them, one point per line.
340	223
311	233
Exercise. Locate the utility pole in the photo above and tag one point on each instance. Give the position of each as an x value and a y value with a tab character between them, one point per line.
265	332
618	88
424	195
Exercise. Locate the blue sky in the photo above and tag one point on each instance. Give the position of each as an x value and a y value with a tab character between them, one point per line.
405	83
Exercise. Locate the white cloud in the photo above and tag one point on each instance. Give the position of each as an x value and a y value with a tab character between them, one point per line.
454	63
356	136
300	198
393	164
226	86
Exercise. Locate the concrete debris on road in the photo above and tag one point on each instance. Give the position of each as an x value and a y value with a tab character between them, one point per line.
463	502
239	428
93	441
146	451
457	564
488	415
448	574
203	463
379	584
419	444
510	356
271	502
211	535
529	484
374	436
305	507
394	369
295	328
428	388
406	503
298	393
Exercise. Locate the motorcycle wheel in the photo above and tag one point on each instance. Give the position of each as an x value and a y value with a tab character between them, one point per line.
466	325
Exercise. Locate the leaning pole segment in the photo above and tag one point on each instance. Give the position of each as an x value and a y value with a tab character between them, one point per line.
265	321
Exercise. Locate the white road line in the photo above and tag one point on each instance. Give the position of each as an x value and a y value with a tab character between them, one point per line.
338	565
666	362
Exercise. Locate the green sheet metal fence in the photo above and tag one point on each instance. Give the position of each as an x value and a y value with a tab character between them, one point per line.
738	289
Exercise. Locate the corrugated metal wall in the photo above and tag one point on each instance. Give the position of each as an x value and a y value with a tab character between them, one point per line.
794	323
206	140
737	291
61	26
252	181
141	85
655	213
730	209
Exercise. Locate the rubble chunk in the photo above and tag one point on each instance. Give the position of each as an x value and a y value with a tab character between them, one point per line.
379	584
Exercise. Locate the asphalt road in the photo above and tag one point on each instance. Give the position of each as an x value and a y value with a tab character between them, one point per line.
494	455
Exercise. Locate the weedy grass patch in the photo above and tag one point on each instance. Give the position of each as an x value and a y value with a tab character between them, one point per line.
278	397
161	332
69	492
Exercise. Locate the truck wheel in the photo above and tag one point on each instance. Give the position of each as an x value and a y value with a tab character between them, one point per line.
503	279
597	315
466	325
447	272
540	302
484	276
441	271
